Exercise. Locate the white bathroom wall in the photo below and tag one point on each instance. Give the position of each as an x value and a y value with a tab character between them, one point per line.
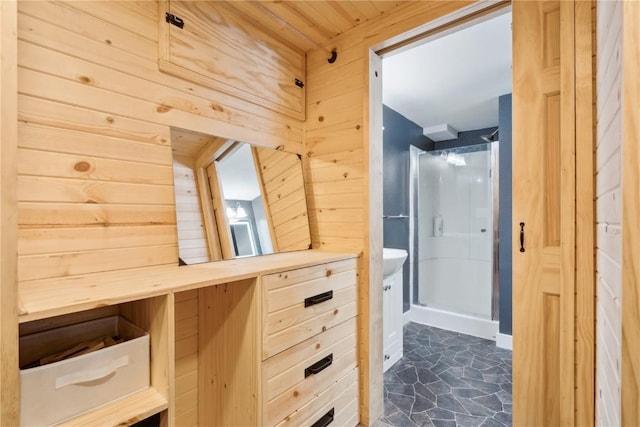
608	214
455	265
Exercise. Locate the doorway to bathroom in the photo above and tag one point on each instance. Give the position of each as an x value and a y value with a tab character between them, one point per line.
446	104
443	130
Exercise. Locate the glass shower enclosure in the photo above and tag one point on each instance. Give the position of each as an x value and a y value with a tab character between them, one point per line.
456	222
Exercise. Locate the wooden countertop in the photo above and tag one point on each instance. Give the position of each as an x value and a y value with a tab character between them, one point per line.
51	297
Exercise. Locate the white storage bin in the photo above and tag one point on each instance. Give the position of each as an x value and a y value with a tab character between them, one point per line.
58	391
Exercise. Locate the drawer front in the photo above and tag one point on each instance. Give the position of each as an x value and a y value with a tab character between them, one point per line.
292	277
329	366
337	405
313	301
294	377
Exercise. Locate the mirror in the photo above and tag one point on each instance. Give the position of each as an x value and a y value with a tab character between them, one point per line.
236	200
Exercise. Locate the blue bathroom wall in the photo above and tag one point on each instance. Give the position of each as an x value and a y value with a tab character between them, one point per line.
505	229
398	135
471	137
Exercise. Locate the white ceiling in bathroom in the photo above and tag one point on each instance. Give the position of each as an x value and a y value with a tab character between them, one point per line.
455	79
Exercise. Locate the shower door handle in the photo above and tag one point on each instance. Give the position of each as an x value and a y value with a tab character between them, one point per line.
522	237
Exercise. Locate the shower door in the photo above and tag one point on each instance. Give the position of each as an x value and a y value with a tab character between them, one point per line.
455	230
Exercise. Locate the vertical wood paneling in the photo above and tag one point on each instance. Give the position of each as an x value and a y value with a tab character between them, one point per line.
229	355
585	212
9	379
186	388
609	214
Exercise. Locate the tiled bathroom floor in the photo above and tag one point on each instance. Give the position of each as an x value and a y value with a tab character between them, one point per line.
447	379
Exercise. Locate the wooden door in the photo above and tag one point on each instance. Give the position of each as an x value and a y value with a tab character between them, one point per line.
544	208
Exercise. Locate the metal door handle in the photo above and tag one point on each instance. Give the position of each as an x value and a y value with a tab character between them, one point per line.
522	237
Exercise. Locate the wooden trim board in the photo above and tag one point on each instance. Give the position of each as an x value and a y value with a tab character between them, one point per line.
630	209
9	379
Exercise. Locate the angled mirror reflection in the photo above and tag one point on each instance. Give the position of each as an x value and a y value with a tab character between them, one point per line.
236	200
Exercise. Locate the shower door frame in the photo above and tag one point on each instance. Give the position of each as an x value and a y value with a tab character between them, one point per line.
414	229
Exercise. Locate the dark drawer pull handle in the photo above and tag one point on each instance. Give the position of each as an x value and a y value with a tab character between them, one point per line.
319	366
325	420
317	299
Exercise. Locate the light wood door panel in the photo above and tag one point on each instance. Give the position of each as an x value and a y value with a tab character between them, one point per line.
544	209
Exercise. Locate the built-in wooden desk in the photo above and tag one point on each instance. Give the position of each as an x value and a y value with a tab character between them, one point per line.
222	334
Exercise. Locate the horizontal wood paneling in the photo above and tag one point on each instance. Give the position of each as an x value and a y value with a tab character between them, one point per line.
94	139
192	240
220	49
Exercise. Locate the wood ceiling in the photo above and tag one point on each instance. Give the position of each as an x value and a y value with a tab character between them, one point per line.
306	25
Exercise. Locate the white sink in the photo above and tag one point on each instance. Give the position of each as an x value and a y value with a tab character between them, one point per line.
392	260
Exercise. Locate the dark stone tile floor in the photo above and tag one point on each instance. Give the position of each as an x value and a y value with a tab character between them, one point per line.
447	379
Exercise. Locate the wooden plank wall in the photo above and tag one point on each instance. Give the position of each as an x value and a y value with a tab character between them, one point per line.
609	213
630	212
192	240
94	162
338	156
186	390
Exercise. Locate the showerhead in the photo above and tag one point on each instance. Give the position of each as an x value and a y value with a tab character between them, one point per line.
492	137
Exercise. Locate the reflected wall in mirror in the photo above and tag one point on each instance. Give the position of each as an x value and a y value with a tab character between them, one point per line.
236	200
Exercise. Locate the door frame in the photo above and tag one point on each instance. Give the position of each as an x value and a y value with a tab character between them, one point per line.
584	402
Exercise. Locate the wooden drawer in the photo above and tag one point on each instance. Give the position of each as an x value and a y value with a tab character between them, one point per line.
289	377
338	402
301	303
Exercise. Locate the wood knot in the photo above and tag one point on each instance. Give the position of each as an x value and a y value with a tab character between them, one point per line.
318	346
335	311
217	107
107	41
346	174
280	148
328	273
324	328
357	127
84	79
295	393
321	119
82	166
110	119
163	108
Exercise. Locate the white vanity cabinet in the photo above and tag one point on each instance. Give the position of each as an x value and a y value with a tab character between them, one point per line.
392	319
